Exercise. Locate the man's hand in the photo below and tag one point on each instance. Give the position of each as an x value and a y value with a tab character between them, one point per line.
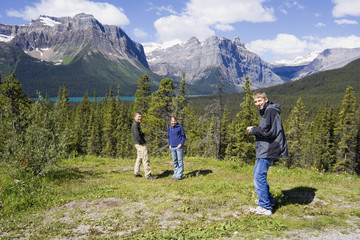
249	128
179	146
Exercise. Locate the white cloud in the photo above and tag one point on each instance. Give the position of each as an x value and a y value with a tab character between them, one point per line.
201	17
320	24
345	21
288	47
139	33
346	8
160	10
224	27
104	12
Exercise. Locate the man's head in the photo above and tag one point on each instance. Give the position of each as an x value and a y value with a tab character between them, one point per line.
173	121
137	117
260	98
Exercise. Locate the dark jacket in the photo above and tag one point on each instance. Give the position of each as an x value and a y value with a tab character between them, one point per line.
138	135
270	137
176	135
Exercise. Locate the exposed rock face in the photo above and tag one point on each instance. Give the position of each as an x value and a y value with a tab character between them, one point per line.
52	39
198	59
329	59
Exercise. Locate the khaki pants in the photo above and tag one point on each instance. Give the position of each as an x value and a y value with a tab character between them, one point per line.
142	155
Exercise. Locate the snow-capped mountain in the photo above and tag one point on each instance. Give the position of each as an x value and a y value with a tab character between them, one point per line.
329	59
214	58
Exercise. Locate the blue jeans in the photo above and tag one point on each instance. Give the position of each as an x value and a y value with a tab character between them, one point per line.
177	156
261	184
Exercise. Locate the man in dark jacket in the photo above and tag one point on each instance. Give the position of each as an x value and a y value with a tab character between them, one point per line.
270	144
140	145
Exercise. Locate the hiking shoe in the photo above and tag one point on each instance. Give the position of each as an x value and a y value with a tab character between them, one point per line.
137	175
257	203
150	177
175	178
261	211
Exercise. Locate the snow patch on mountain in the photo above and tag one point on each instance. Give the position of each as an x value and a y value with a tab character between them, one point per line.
5	38
48	21
298	61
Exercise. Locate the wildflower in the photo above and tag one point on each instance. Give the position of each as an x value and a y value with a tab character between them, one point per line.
16	181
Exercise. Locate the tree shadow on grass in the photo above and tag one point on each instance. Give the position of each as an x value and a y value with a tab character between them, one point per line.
197	173
67	174
299	195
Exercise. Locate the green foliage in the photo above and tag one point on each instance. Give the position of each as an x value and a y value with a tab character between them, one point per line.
347	130
323	140
241	147
295	129
25	193
142	95
156	121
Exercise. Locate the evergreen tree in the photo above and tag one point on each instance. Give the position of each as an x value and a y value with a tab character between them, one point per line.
142	95
241	147
63	124
323	142
346	131
123	133
14	111
156	122
81	124
180	102
110	125
94	146
295	134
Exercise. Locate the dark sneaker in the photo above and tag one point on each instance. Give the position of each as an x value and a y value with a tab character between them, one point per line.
137	175
150	177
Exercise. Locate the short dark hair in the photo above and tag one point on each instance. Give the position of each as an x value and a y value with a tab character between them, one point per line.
137	113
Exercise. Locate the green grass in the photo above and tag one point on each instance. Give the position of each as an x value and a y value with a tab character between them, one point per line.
98	198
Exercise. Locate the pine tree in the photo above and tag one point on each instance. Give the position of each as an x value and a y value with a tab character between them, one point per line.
81	124
14	111
156	121
123	133
94	146
295	134
63	124
110	125
241	147
142	95
346	131
180	101
323	141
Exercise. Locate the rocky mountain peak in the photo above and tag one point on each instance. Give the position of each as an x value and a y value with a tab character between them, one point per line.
53	39
220	56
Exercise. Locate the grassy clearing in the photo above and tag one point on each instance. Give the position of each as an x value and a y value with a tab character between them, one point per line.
98	198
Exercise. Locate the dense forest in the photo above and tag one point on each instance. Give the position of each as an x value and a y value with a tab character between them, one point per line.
36	134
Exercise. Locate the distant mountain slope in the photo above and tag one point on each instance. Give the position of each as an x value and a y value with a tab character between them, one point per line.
204	63
329	59
323	89
79	52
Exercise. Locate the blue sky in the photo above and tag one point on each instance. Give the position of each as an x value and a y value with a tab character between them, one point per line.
273	29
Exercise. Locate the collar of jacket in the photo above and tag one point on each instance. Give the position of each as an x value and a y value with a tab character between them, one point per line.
262	111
